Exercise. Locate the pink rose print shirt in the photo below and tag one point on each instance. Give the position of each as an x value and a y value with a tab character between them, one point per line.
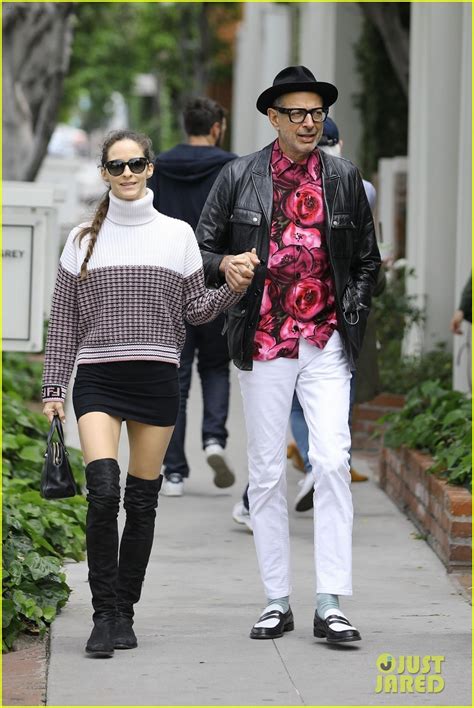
298	297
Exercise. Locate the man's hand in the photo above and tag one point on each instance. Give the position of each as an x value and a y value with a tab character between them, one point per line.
239	270
455	324
52	408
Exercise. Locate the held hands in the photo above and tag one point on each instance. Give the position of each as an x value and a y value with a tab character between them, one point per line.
239	270
52	408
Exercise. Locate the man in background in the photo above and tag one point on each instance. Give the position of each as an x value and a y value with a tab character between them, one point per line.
181	181
464	311
332	144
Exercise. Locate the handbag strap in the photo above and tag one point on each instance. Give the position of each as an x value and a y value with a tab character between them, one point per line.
56	425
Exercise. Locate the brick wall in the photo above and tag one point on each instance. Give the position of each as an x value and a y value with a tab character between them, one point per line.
364	417
442	511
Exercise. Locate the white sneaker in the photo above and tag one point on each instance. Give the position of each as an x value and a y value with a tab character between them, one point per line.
304	498
241	515
173	485
223	475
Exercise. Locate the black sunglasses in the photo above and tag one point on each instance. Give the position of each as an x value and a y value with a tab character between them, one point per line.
136	165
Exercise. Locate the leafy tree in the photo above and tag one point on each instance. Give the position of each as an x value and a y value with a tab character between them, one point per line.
391	21
181	44
382	62
104	60
36	48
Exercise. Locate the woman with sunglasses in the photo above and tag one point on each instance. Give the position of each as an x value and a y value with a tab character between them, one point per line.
126	282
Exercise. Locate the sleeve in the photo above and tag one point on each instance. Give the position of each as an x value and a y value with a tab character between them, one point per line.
366	262
62	337
212	231
370	193
199	304
466	300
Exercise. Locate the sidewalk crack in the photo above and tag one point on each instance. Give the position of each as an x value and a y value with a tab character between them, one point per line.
302	701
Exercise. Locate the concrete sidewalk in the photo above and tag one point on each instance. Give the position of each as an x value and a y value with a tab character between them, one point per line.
202	594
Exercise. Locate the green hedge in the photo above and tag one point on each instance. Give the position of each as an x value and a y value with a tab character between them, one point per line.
37	534
396	313
438	421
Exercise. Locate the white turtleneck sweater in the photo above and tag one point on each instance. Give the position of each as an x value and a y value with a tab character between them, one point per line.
145	277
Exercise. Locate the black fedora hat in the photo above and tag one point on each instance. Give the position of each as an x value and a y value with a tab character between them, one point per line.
296	78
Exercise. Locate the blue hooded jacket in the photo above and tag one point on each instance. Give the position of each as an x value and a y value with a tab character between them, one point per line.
183	178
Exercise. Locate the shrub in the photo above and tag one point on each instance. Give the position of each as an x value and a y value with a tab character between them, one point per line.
37	534
22	376
438	421
396	313
407	372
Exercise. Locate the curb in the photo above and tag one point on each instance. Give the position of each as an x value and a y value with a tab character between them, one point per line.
25	672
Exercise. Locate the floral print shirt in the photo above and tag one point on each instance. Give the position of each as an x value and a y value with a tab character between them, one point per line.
298	297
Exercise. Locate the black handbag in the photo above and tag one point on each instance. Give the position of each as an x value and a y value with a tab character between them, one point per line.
57	480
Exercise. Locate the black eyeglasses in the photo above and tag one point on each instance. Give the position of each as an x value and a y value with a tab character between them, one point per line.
136	165
298	115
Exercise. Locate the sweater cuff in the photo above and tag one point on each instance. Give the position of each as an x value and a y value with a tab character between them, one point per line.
53	393
231	297
213	276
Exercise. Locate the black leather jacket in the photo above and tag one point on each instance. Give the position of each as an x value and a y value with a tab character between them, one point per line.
237	217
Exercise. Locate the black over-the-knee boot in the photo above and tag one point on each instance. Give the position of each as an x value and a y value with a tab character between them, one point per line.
140	502
103	485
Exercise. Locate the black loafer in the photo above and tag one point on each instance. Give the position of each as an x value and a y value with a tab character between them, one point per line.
285	624
323	628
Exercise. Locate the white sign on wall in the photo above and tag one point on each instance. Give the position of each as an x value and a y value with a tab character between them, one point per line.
23	265
17	257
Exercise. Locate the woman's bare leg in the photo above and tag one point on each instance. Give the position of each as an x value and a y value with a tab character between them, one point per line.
99	434
148	444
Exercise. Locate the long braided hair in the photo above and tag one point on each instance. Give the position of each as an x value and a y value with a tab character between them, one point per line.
103	206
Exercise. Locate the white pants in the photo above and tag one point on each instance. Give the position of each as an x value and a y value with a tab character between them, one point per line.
321	378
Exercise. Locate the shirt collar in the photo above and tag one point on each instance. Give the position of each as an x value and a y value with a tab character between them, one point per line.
280	162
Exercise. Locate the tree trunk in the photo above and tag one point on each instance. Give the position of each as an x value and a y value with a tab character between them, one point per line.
386	17
36	49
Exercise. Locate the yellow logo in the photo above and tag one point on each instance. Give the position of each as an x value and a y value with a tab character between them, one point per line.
409	674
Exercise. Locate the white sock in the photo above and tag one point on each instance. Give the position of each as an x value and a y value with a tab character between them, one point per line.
278	604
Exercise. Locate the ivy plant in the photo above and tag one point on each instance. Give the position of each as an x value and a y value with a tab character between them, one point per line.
38	534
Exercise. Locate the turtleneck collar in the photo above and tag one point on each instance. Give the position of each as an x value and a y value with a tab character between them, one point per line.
131	213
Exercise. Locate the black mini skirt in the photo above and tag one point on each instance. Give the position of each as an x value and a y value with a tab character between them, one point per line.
144	391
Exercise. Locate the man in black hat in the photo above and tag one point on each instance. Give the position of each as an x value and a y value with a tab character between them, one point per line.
310	265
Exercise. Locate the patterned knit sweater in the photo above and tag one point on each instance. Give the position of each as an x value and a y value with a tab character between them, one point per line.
145	277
